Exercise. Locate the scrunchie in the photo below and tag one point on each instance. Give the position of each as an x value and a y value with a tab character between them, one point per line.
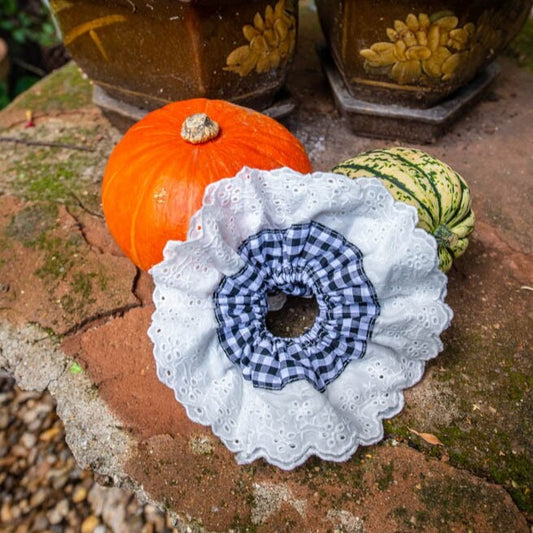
380	301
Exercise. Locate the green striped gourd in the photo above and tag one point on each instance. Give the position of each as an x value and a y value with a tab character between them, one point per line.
440	194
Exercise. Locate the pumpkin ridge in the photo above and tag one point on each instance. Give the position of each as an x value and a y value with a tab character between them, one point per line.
134	216
275	159
418	178
157	176
383	162
462	210
450	184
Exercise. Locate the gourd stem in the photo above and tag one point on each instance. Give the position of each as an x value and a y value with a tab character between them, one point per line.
199	128
445	237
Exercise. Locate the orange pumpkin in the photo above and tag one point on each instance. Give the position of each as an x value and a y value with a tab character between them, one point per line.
156	175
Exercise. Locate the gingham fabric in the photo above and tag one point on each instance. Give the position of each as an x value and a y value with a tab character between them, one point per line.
302	260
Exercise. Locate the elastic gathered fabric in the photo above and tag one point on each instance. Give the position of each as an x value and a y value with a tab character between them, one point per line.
303	260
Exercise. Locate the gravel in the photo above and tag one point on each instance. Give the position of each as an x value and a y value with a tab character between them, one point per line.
42	489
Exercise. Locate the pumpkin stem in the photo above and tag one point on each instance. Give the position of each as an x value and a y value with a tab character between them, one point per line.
199	128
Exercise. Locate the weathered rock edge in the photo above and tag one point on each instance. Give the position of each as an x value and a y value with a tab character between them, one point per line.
94	435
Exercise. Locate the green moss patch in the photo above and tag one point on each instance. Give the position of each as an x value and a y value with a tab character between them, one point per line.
55	175
59	255
490	432
32	222
386	476
64	89
56	168
451	500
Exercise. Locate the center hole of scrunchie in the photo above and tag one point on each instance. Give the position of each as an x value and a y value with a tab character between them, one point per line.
295	318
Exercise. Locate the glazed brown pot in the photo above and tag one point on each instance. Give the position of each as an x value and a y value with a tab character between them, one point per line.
416	53
149	53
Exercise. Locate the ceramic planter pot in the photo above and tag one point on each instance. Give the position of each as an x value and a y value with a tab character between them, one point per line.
147	54
416	53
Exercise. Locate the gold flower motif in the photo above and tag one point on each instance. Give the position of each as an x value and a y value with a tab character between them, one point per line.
271	39
425	47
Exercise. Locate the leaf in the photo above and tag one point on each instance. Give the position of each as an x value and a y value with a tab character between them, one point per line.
428	437
75	368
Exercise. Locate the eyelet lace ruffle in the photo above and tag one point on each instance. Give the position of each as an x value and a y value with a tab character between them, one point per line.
288	425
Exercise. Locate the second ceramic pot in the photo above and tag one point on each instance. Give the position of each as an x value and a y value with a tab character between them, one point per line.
416	53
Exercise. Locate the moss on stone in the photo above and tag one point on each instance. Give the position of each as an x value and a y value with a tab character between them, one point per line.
62	90
59	255
31	222
46	175
488	422
516	475
238	525
453	500
36	227
81	291
386	476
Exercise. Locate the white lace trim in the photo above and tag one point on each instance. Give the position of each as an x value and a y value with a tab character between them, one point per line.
288	426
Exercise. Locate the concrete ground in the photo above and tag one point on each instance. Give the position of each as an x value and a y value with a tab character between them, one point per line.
74	312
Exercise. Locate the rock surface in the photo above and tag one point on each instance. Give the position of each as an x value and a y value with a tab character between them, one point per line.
43	488
74	312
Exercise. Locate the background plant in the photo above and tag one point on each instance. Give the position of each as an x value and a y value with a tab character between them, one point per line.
34	46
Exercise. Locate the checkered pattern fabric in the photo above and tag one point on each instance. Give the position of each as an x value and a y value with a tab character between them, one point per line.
302	260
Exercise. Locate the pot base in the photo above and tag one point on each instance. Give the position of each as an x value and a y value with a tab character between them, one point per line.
123	115
403	123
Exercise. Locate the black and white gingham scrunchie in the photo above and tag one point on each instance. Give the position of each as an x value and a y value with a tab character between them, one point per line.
302	260
348	243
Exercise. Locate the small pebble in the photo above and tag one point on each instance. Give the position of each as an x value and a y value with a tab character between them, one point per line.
6	513
49	434
148	528
39	522
4	420
60	511
43	488
89	524
28	440
80	494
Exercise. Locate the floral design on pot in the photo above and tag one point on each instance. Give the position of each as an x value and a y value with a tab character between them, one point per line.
90	28
426	48
148	54
415	54
272	41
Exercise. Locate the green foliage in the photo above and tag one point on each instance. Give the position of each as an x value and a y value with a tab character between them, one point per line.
27	28
23	83
22	27
521	47
76	368
4	96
